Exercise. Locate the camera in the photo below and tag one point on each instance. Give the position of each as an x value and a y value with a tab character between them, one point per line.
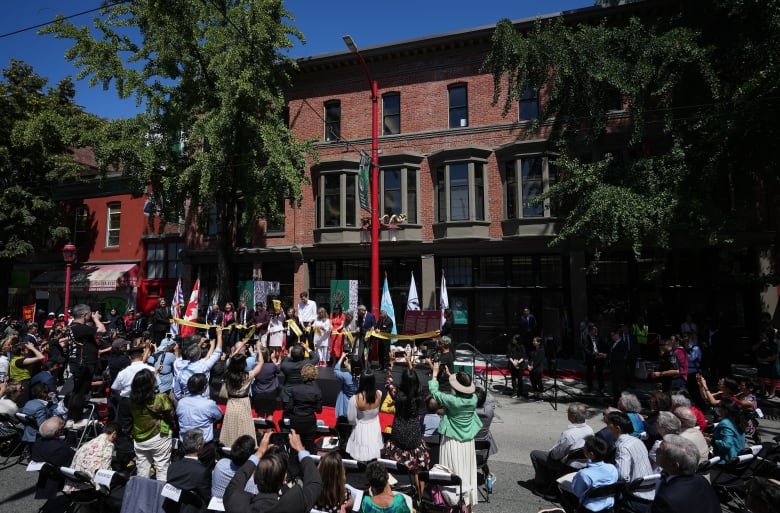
280	439
169	335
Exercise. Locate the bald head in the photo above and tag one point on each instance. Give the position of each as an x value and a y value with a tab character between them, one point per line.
51	428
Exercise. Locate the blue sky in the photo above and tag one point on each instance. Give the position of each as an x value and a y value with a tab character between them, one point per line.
322	23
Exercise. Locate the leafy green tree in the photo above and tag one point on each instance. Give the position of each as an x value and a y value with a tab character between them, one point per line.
40	126
699	85
216	71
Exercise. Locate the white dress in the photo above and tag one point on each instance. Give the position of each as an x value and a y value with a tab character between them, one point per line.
276	331
365	443
322	329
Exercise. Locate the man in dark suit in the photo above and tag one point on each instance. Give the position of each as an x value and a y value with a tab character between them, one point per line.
595	357
190	476
51	448
528	328
680	488
161	321
618	355
385	325
269	468
365	322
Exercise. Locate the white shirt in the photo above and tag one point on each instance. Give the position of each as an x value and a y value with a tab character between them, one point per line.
124	379
632	461
322	329
571	439
307	312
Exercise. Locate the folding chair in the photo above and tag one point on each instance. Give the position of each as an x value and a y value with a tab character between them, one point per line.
11	445
91	429
768	461
264	425
178	500
630	501
482	449
403	476
356	473
428	500
434	443
86	497
730	479
614	490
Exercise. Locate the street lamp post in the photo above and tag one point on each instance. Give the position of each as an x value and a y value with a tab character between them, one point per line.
69	255
374	176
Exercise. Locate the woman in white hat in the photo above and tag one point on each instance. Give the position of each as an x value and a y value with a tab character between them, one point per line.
458	427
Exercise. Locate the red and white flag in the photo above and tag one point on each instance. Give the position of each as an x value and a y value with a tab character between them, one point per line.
191	314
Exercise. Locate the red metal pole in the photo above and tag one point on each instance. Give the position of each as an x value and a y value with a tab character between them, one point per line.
67	291
374	198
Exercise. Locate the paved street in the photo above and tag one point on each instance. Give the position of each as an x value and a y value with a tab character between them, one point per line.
518	427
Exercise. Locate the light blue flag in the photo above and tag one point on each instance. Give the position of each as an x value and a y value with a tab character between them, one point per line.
387	306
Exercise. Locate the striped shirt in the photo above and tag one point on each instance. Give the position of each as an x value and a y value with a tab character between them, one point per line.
632	461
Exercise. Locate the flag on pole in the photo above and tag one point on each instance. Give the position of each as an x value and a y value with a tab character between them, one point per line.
191	314
363	185
387	306
412	302
176	303
444	300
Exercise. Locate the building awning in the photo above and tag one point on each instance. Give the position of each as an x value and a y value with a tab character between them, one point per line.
90	277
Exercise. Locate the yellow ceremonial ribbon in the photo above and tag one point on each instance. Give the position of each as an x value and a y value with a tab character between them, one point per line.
389	336
193	324
294	327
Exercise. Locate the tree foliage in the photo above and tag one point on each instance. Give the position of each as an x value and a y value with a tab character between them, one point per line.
699	87
217	70
40	127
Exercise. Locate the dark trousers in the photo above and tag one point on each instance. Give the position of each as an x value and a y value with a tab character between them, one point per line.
536	381
517	379
617	376
383	348
546	471
592	364
82	385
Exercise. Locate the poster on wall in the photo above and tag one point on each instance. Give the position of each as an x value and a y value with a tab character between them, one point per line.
344	293
460	310
263	289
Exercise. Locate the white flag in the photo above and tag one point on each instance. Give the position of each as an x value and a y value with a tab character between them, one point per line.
444	300
412	303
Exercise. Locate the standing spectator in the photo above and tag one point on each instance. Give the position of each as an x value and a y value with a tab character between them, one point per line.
228	325
265	387
161	321
192	361
669	369
679	348
518	363
269	469
766	359
321	328
138	324
261	320
618	355
122	386
458	427
276	332
528	328
307	314
432	418
291	368
406	444
162	361
486	410
640	332
336	334
348	385
365	441
535	368
364	322
694	367
446	361
214	319
384	325
114	321
238	414
595	357
194	411
152	417
305	403
84	359
688	326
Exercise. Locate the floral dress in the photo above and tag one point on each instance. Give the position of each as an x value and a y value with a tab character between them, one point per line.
406	444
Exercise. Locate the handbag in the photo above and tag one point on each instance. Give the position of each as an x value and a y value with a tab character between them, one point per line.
387	405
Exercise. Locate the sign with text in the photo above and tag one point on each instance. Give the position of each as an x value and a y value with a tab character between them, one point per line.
421	321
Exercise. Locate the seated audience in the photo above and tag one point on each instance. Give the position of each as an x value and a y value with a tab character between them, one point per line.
681	490
9	393
596	474
94	455
190	474
381	498
631	457
38	409
549	465
51	448
432	417
763	495
690	430
226	468
335	496
728	437
486	408
679	400
629	403
667	424
269	470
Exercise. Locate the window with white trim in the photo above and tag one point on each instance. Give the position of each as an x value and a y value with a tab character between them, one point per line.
113	218
459	105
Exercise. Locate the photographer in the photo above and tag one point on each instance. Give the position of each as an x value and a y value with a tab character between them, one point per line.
446	359
84	364
162	360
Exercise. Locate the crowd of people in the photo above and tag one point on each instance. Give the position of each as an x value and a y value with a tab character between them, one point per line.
175	405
